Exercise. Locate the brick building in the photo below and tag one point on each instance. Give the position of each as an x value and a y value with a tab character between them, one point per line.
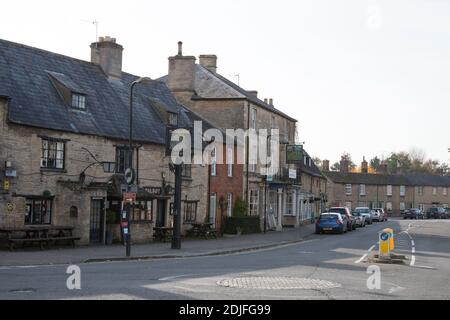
394	193
60	118
228	106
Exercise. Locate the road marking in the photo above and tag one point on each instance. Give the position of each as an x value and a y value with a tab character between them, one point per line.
372	248
175	277
413	250
413	243
5	268
413	261
362	259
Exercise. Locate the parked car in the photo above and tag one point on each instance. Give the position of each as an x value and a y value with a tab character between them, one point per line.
360	219
436	213
366	213
376	216
331	222
413	214
383	214
351	220
447	213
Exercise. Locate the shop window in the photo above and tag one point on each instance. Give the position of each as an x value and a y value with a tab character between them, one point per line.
142	212
190	211
38	211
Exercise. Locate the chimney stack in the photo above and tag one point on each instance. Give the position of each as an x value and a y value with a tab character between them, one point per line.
253	93
266	100
344	165
108	55
364	166
326	165
209	61
181	72
383	168
271	101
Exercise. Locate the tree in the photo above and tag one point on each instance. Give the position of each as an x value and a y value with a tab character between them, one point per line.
348	157
336	167
399	162
375	163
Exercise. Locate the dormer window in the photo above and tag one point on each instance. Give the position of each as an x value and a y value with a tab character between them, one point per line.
173	119
78	101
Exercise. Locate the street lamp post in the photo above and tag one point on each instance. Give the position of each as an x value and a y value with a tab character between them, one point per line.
143	80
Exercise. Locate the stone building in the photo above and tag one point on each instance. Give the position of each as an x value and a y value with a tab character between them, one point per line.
64	144
394	193
228	106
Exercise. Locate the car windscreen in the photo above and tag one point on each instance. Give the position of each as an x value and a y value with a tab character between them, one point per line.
341	211
328	217
362	210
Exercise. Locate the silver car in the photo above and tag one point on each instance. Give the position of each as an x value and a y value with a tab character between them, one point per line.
360	219
366	213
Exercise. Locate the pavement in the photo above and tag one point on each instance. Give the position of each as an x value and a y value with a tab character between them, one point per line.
190	248
319	267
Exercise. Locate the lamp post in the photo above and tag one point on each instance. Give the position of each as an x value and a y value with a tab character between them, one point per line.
127	207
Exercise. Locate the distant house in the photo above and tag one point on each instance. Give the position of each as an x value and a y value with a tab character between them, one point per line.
394	193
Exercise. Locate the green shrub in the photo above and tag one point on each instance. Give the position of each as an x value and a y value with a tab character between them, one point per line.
246	225
240	208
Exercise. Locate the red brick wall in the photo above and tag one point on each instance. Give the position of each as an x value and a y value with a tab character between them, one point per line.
221	184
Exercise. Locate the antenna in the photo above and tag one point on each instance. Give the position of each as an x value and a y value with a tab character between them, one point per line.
96	23
238	76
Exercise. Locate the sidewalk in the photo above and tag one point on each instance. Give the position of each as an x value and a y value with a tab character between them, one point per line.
190	248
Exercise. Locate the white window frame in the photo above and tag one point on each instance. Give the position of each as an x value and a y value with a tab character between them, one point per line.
213	208
402	191
402	206
435	191
389	206
389	190
254	203
289	205
444	191
362	190
78	101
229	204
214	162
420	191
253	115
230	162
348	188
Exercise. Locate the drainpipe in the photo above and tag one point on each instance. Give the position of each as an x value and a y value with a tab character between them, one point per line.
247	156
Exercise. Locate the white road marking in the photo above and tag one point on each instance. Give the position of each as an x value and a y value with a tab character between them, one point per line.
362	259
175	277
413	250
372	248
413	243
5	268
413	261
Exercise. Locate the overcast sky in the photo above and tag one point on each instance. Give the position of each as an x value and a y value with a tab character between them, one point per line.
362	76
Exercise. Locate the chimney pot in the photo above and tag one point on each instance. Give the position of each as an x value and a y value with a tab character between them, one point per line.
364	166
271	101
181	72
326	165
266	100
253	93
180	48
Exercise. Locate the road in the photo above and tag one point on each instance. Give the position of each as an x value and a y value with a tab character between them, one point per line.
321	267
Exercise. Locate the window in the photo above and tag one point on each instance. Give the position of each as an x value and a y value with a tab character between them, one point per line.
402	206
420	191
348	189
389	206
190	211
230	161
309	162
230	204
402	191
79	101
289	205
444	191
122	159
348	205
173	119
362	190
252	118
186	171
389	191
38	211
212	208
73	212
142	212
435	191
52	156
214	162
254	198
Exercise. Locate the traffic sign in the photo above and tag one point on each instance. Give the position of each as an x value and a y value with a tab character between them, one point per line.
130	176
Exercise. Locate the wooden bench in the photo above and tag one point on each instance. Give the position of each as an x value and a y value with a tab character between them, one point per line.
23	241
203	230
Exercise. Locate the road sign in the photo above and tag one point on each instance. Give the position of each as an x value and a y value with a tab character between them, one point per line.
10	207
6	185
129	197
130	176
386	242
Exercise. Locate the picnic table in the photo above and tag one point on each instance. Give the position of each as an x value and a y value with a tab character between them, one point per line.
205	230
42	235
162	234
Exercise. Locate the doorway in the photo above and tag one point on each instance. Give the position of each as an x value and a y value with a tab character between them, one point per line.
96	221
161	214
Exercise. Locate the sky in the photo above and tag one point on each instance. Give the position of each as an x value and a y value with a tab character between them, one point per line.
367	77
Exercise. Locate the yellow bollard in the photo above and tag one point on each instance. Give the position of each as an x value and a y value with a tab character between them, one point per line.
384	244
392	238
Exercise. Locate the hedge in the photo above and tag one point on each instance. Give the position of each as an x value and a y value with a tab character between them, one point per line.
247	225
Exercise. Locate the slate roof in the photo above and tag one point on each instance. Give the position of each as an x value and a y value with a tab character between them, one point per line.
311	170
210	85
385	179
33	100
